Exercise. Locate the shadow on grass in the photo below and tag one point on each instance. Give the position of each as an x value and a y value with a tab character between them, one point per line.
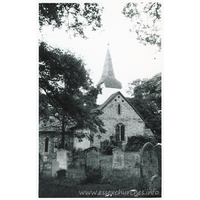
53	187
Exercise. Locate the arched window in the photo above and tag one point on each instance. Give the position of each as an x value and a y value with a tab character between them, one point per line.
46	148
120	132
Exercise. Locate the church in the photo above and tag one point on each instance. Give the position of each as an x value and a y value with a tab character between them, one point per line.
121	119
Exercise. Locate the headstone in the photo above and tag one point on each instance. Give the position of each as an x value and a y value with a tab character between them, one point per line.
54	168
62	158
158	149
92	164
118	158
148	163
155	183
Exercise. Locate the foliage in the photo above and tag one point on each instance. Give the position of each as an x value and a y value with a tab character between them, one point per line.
74	17
135	143
147	101
107	146
108	149
146	19
66	90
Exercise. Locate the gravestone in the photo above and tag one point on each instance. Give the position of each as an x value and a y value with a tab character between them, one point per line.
62	158
148	163
92	164
158	149
54	168
118	158
155	183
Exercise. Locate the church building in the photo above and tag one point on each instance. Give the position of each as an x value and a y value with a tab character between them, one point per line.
120	118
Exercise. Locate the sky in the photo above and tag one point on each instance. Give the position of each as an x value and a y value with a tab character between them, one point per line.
131	60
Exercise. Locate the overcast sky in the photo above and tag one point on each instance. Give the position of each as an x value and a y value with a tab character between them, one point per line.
131	60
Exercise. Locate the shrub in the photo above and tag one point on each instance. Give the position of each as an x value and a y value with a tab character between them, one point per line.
135	143
108	149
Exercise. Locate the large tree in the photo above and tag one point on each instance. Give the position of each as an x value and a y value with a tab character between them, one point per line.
147	100
65	88
66	91
146	20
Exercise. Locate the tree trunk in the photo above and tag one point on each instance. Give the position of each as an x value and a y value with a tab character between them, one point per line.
63	134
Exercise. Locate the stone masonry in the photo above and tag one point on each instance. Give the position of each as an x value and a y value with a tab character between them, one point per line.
134	125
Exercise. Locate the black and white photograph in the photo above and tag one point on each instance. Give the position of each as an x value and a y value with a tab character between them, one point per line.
100	99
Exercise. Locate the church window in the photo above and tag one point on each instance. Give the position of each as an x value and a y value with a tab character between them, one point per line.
119	109
120	132
118	96
122	100
117	132
46	145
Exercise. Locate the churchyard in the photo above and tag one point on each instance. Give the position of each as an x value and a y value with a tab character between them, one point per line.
91	173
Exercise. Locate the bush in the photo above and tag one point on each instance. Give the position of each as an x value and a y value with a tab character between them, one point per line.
107	146
135	143
108	149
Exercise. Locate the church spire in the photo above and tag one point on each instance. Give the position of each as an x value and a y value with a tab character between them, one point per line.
108	76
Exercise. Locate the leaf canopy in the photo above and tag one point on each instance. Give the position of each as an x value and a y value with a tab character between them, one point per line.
146	20
147	100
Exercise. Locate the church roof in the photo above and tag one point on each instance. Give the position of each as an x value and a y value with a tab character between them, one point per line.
108	76
112	97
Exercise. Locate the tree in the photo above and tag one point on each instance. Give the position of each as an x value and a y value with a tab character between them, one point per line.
147	101
73	17
66	91
146	19
65	88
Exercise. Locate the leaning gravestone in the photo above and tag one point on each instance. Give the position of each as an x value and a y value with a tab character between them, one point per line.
158	149
149	163
155	183
118	158
92	164
62	158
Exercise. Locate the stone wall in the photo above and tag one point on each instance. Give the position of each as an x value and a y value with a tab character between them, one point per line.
53	144
134	125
